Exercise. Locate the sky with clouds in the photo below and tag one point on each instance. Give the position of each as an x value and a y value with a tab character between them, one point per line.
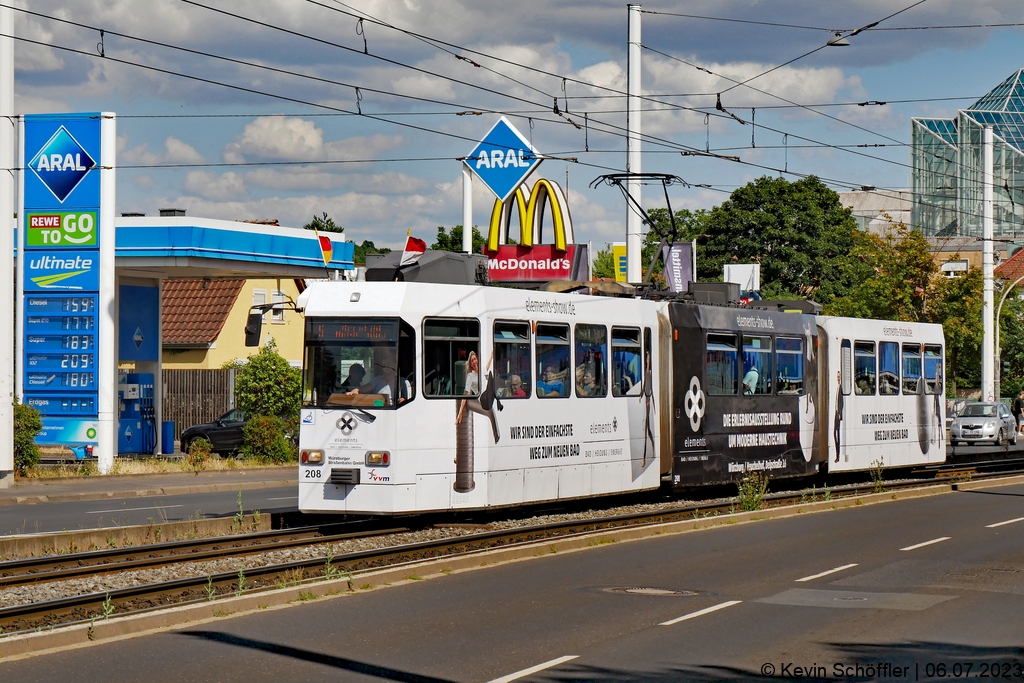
290	108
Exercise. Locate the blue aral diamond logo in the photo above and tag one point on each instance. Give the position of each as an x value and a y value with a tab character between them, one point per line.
61	164
503	159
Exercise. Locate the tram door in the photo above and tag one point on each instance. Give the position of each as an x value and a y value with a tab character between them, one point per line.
844	388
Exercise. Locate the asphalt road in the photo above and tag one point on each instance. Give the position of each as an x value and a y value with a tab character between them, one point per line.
915	584
111	512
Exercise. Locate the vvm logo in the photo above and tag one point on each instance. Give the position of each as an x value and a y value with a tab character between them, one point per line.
61	164
61	229
62	270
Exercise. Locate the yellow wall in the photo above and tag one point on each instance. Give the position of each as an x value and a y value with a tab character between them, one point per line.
231	342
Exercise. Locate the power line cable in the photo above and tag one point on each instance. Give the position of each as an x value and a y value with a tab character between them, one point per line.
821	47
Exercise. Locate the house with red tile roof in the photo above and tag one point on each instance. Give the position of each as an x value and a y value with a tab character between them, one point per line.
203	321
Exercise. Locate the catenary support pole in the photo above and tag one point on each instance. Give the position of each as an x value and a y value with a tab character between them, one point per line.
7	186
634	224
467	209
988	369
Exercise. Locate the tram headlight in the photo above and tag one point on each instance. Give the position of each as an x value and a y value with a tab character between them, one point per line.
378	458
312	457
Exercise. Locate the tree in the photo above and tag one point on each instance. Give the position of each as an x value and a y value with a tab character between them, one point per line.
1011	343
799	233
27	425
451	240
894	274
898	280
604	263
323	224
268	385
367	247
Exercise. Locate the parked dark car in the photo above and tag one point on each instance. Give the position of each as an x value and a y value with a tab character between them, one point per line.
224	433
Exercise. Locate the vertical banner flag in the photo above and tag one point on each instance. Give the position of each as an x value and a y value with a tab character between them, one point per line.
678	258
414	248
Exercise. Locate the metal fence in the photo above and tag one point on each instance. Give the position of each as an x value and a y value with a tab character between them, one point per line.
194	396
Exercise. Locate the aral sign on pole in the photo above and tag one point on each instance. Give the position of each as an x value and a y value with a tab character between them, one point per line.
66	278
503	159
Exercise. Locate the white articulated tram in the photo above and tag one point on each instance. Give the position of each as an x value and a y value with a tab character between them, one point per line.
422	397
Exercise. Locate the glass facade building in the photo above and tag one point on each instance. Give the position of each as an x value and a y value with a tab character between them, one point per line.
947	170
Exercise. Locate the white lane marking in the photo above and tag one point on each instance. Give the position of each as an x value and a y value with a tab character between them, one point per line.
826	573
157	507
700	613
921	545
1009	521
285	498
534	669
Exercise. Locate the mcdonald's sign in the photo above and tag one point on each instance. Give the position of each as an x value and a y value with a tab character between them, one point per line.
530	260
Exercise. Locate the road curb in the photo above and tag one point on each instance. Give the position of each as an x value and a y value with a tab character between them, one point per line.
987	484
149	492
84	635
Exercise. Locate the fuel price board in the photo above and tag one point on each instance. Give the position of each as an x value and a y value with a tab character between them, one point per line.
60	353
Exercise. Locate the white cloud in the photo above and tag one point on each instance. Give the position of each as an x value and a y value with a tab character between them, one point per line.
225	187
281	138
175	152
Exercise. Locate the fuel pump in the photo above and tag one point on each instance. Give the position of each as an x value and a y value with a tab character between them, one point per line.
136	431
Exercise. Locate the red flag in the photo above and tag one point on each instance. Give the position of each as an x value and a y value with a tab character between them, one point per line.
414	248
326	248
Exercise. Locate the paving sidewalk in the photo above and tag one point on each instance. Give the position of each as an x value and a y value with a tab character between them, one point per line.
34	491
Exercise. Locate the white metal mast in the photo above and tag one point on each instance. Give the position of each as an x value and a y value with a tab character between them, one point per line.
634	224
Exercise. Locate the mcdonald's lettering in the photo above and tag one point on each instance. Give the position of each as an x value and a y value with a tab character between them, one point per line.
530	260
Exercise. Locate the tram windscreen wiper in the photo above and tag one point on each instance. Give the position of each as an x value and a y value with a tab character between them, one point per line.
363	415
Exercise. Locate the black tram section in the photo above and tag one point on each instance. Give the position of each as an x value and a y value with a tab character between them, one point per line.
745	394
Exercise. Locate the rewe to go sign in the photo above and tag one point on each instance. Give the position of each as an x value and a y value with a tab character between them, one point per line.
60	229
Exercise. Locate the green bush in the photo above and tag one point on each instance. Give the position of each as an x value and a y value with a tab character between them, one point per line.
199	451
267	385
27	425
264	439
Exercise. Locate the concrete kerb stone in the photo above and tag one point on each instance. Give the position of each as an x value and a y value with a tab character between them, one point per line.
83	635
987	484
144	493
36	545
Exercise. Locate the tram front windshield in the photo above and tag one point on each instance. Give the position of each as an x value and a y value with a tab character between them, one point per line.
355	362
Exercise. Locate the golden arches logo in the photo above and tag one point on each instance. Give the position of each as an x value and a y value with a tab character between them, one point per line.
531	216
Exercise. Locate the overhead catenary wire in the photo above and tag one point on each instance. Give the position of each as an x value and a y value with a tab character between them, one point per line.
347	112
824	45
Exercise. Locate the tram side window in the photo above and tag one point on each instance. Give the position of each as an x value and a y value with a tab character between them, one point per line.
911	369
591	360
512	359
451	357
864	368
789	366
722	361
757	365
553	364
626	371
888	368
932	369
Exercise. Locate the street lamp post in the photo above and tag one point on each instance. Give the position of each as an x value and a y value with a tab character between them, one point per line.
999	353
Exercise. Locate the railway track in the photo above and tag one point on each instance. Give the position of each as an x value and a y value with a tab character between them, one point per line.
93	562
141	598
